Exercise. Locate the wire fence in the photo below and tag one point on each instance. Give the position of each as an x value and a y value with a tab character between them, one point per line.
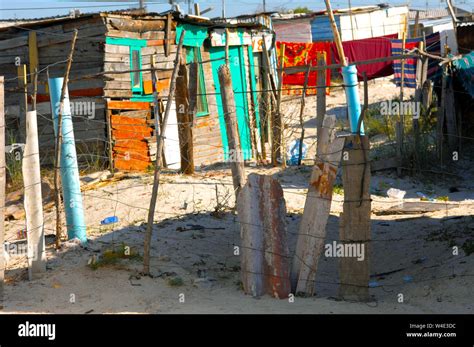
136	214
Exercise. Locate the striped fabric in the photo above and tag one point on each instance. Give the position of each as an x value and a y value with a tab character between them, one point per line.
433	47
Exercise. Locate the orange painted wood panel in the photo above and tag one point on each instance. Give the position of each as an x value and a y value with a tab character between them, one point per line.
128	153
138	145
124	120
128	105
129	135
160	86
155	42
131	164
133	128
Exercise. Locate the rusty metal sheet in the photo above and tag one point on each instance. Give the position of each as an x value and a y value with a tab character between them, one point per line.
265	255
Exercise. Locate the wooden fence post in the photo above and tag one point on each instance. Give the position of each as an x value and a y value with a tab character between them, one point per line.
267	101
450	116
354	228
2	191
235	152
421	72
441	114
400	123
33	199
278	151
159	151
59	140
110	140
185	119
321	92
23	105
312	229
302	106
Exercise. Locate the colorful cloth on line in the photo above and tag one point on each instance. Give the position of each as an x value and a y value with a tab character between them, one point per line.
298	54
367	49
409	77
465	72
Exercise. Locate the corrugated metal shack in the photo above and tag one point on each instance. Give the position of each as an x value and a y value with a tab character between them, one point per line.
367	22
434	21
112	107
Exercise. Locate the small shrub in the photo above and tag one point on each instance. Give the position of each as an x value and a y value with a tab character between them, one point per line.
175	281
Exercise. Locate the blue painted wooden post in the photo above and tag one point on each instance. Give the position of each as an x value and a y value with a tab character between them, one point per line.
76	226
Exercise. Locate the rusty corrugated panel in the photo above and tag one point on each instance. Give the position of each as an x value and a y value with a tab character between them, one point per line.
265	256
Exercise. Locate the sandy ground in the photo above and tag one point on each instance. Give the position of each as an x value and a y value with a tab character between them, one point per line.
192	243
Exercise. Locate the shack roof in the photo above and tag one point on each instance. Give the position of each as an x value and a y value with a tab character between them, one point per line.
257	20
337	12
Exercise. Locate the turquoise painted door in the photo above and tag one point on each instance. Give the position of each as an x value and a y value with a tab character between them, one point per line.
237	70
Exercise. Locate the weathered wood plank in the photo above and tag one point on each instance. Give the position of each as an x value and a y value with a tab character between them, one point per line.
13	43
235	151
128	105
33	52
312	229
184	118
354	226
33	199
135	25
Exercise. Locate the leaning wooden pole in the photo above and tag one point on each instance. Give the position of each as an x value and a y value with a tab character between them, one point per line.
230	116
59	140
335	31
159	150
184	116
278	147
2	191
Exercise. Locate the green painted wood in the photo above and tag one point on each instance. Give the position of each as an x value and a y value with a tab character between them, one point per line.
195	34
237	70
125	41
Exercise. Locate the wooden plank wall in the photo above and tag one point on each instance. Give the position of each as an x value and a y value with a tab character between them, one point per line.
132	123
53	41
206	133
117	57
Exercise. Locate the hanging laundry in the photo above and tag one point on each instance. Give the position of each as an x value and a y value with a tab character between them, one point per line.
367	49
465	72
432	46
300	54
